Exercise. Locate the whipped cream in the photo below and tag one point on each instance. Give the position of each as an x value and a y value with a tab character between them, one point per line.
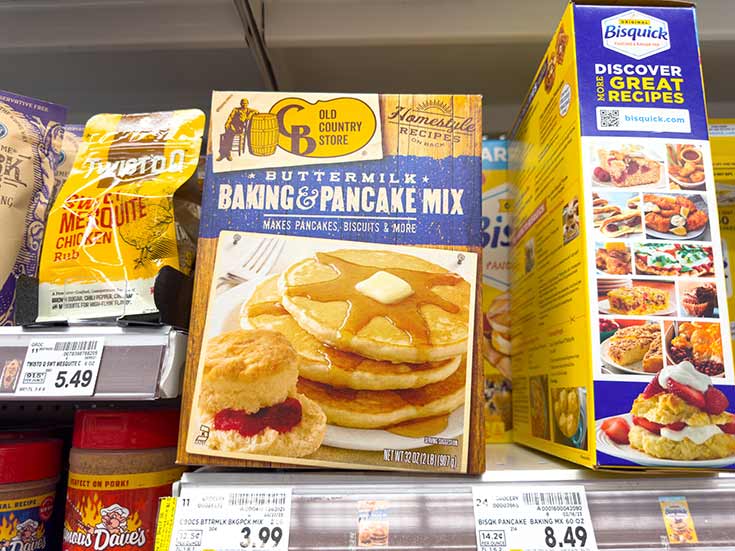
685	374
698	435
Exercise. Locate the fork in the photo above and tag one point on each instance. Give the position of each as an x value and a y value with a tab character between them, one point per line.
259	261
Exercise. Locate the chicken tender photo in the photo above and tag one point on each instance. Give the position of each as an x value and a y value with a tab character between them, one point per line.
678	215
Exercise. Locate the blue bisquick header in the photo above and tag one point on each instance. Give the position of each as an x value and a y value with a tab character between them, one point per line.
645	59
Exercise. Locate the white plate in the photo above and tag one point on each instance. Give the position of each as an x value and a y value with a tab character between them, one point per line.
624	451
636	368
688	185
378	440
671	236
604	306
224	313
225	316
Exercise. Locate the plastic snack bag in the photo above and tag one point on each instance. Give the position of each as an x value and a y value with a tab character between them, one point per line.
112	227
70	146
31	134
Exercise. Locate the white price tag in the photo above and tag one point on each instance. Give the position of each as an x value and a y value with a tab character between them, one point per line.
61	367
233	518
523	518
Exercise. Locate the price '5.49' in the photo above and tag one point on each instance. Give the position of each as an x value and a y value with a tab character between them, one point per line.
78	379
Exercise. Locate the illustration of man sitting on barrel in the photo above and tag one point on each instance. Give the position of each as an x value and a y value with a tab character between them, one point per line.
237	124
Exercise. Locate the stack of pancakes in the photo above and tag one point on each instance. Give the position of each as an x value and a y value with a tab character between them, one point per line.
369	364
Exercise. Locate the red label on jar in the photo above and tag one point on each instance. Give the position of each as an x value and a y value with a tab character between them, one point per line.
116	512
23	523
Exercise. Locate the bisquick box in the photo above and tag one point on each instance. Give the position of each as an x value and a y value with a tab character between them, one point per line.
619	325
722	141
496	213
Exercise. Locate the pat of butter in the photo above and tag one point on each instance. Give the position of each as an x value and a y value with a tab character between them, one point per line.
385	288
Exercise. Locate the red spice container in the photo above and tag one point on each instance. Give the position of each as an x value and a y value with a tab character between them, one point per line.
121	462
29	471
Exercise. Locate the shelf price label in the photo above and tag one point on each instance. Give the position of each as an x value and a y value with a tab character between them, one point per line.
521	518
233	518
60	367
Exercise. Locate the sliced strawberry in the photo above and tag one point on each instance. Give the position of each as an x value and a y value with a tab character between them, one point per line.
617	430
679	425
728	428
715	401
607	422
653	388
650	426
690	395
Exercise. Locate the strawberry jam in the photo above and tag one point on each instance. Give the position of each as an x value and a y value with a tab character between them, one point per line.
281	417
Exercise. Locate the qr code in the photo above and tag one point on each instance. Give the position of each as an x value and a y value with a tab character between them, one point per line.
609	118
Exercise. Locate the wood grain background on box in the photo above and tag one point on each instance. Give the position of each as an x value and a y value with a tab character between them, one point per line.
393	140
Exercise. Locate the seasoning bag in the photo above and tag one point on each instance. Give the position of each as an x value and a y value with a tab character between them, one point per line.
31	134
112	227
70	146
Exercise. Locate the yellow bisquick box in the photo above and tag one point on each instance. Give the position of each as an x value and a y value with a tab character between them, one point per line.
496	212
620	329
722	140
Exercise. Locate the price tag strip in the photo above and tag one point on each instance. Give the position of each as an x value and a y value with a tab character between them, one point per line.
229	519
518	518
60	367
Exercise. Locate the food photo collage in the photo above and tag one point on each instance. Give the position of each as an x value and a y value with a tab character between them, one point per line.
655	265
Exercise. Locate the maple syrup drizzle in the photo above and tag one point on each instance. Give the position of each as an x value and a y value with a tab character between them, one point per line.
361	310
346	361
337	358
418	428
274	308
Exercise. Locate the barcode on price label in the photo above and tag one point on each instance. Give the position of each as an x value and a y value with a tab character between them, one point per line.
76	346
511	518
60	367
261	499
551	498
224	518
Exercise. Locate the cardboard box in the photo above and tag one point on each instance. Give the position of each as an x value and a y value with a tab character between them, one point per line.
619	319
496	213
336	306
722	141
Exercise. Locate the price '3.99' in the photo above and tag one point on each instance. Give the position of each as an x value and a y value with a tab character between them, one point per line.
266	535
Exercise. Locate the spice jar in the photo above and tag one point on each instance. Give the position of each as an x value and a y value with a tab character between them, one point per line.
29	471
121	462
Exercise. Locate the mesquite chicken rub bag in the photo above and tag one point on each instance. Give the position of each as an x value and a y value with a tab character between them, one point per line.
112	227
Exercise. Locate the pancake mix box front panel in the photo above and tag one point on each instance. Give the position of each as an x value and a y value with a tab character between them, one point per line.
336	314
619	297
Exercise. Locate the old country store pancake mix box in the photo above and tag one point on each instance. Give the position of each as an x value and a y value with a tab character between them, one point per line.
619	330
336	317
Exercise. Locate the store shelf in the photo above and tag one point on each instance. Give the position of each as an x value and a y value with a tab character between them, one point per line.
491	48
125	56
432	512
138	363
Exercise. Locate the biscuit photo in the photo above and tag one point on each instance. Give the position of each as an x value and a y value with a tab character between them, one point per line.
249	397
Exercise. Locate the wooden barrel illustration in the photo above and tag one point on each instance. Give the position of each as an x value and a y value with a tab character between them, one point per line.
263	134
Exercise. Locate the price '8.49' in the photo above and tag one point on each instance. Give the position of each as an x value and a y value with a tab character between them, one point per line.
569	537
